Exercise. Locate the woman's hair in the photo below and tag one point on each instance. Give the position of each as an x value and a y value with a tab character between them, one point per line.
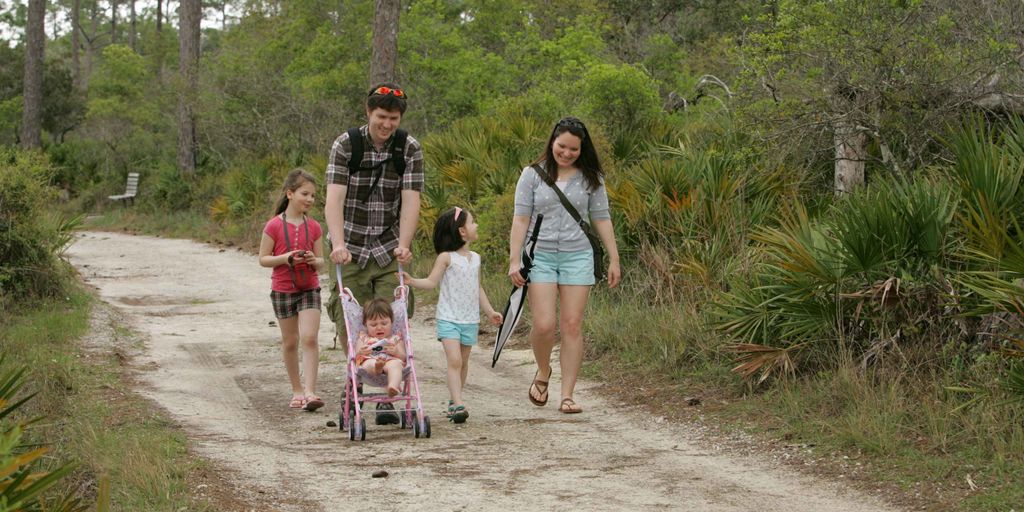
392	101
296	178
446	230
587	162
377	308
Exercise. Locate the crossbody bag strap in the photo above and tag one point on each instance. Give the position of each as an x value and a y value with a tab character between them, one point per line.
565	202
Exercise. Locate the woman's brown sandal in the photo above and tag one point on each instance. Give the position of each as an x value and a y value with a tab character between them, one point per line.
569	406
542	389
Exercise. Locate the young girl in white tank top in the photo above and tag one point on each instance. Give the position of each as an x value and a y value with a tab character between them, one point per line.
457	269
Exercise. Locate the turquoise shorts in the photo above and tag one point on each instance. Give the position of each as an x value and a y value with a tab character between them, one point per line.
573	268
464	333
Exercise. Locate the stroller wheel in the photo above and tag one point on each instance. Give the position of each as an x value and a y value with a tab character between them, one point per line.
407	418
341	422
421	428
357	430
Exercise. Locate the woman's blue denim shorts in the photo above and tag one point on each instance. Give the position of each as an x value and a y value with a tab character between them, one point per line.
573	268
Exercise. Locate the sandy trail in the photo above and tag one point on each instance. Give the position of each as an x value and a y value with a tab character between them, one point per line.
212	360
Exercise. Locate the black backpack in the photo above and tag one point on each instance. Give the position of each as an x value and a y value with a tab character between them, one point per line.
397	158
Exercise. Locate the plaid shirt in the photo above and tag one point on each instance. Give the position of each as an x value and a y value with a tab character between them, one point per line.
371	216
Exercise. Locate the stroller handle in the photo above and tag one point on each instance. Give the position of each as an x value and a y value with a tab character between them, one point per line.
401	283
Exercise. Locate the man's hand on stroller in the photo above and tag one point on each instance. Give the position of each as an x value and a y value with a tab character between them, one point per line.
341	255
403	254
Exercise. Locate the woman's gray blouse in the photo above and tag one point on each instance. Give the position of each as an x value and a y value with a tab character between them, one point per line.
558	231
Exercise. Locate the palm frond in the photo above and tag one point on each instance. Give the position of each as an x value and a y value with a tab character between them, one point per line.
763	361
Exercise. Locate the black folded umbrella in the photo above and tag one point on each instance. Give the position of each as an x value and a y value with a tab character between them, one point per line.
514	308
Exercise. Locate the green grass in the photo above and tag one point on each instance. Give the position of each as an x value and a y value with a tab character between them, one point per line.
92	416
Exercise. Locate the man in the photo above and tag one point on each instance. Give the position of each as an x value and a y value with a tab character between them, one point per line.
373	203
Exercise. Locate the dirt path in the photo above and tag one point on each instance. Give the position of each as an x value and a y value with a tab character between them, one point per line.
212	359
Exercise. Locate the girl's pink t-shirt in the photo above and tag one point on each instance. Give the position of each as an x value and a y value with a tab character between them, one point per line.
305	275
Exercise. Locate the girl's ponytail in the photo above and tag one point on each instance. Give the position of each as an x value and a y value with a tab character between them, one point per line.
282	204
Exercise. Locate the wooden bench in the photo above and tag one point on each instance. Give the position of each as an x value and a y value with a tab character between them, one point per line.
130	189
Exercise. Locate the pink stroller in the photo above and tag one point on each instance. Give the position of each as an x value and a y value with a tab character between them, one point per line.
351	416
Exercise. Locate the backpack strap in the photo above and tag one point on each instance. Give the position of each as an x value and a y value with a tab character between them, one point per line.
398	151
397	159
355	160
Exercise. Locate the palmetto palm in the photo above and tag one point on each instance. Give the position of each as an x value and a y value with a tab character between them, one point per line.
22	488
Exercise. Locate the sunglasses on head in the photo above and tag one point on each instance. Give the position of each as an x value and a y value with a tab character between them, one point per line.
574	124
571	122
384	91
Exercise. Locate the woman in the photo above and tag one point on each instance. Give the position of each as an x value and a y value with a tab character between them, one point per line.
563	264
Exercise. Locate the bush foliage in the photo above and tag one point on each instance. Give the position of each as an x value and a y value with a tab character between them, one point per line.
32	236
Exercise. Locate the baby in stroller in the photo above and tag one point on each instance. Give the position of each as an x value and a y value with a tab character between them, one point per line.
377	350
380	353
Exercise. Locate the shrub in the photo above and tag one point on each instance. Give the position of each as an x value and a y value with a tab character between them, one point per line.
31	236
621	98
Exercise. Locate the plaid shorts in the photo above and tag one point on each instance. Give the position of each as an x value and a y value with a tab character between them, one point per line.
289	304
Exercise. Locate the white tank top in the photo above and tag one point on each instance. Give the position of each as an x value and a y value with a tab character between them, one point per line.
460	290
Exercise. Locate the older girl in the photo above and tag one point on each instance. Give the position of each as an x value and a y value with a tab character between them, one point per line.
291	245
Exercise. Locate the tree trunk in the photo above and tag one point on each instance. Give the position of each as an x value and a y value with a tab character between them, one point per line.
189	13
54	26
113	21
90	43
35	41
133	35
385	41
160	71
76	66
851	153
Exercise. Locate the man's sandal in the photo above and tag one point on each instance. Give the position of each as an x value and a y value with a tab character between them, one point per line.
542	389
569	406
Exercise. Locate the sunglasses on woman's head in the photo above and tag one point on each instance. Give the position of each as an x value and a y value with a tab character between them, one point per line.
384	91
571	122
